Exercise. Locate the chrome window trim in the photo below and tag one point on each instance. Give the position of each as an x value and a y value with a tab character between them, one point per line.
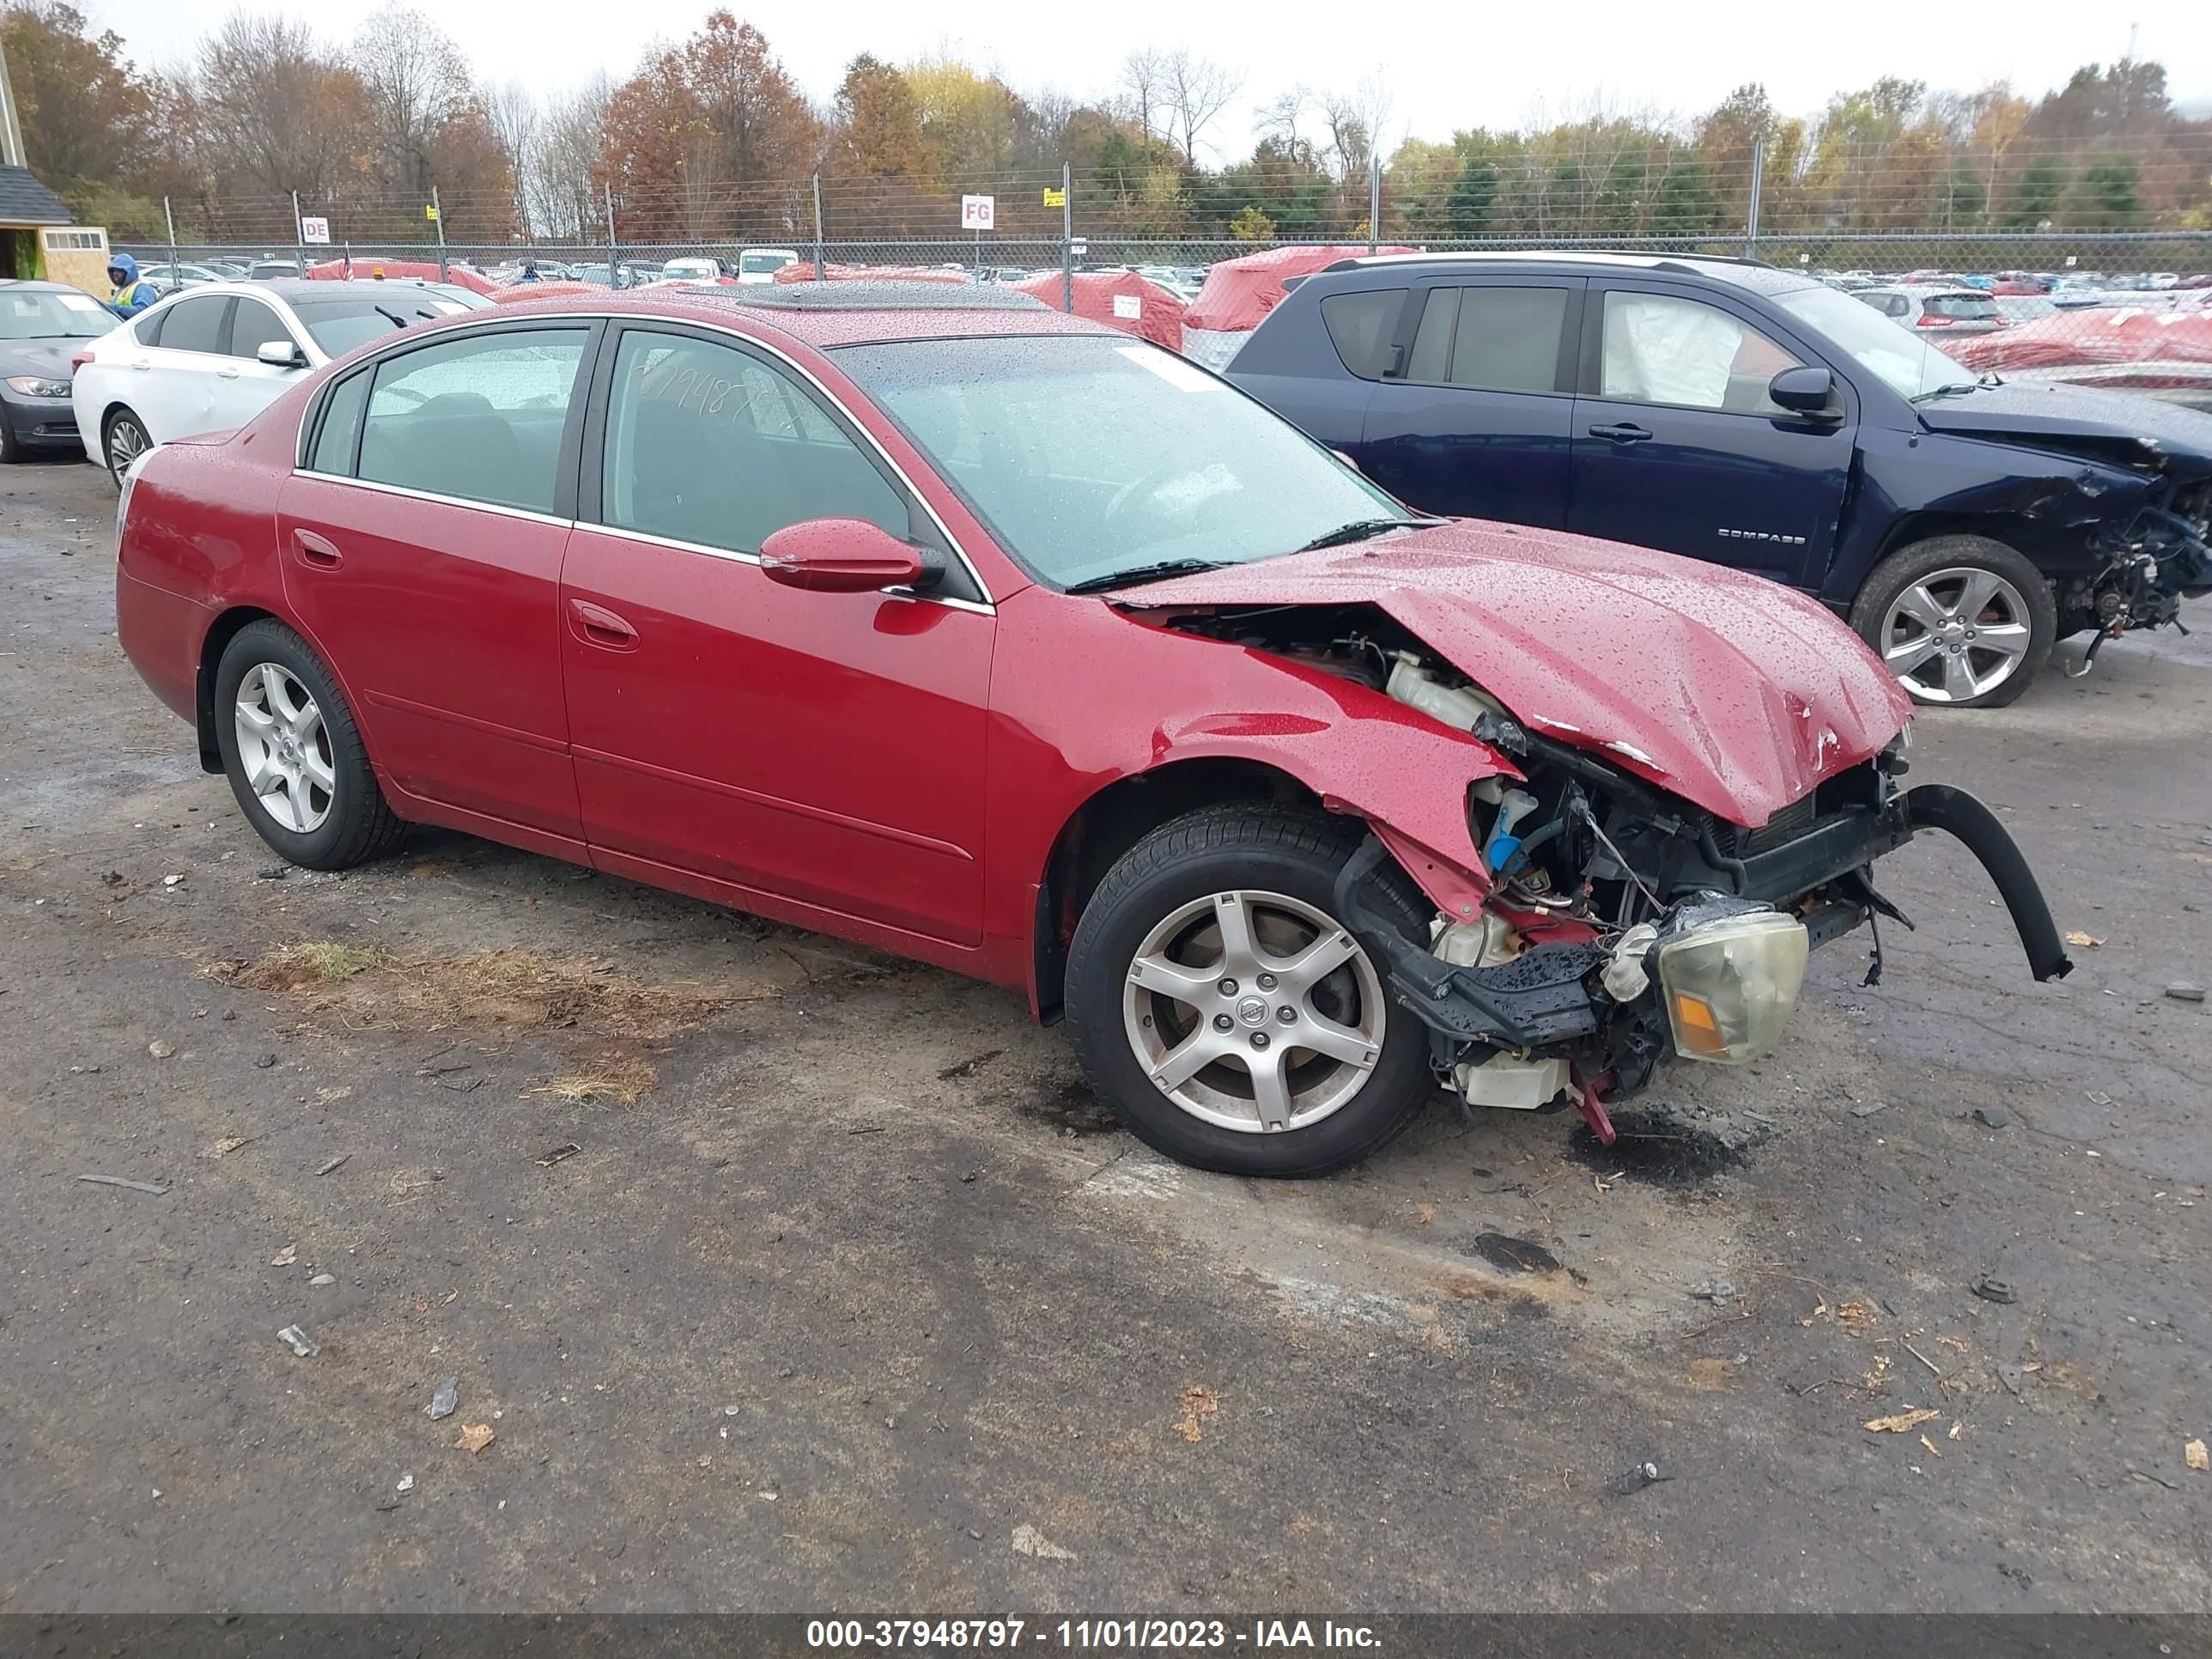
734	557
382	489
619	319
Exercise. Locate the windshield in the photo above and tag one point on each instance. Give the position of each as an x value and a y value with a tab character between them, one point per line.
43	314
340	325
756	262
1090	456
1962	307
1894	353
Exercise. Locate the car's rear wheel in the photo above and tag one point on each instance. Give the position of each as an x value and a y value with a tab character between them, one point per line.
292	754
123	440
1962	621
1226	1013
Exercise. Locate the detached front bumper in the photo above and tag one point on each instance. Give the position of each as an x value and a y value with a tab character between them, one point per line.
1736	983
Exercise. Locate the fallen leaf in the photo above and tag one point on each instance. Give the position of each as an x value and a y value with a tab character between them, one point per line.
2194	1455
1424	1214
285	1257
1902	1423
1955	1427
1197	1402
1856	1316
227	1145
475	1437
1820	1308
2075	936
1028	1541
1931	1446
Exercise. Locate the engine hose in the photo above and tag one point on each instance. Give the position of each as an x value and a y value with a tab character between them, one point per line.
1958	815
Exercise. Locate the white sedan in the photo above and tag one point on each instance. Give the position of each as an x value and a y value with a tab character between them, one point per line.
215	355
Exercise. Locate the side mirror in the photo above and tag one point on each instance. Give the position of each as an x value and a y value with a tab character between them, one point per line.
1804	392
281	354
839	555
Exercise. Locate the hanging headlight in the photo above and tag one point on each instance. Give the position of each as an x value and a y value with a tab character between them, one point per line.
1730	985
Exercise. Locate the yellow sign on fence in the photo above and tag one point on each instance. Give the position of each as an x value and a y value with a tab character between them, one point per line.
430	212
1054	198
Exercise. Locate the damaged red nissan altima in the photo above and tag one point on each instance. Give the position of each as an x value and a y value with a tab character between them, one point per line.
994	638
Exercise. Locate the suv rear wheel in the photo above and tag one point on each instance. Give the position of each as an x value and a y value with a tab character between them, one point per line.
1227	1015
1961	621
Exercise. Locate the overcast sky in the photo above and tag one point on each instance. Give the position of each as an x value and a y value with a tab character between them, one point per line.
1448	63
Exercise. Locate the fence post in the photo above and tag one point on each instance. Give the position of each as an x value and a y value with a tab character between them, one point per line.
1374	199
818	228
298	234
439	220
1757	180
612	245
171	220
1066	238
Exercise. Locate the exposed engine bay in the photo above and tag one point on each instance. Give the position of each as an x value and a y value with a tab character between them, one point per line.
1612	923
2162	556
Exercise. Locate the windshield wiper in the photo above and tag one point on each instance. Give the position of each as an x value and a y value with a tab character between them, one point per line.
1358	530
1956	389
1144	573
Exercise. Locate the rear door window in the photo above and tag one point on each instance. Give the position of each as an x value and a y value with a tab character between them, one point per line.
200	324
1360	326
479	418
1491	338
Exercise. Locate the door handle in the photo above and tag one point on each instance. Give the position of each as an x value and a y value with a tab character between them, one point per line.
595	624
1623	432
316	552
226	374
143	365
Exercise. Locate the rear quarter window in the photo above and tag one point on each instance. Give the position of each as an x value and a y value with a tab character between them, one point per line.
1360	326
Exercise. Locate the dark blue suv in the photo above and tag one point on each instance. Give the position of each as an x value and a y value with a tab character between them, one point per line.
1753	416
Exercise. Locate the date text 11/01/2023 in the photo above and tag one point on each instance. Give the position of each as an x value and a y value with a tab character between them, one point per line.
1091	1635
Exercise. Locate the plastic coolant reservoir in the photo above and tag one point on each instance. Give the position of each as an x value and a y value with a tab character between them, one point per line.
1483	943
1460	706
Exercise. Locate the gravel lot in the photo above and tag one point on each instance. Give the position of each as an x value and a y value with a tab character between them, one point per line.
848	1278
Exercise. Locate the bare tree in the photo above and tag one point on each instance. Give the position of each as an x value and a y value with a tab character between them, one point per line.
1197	90
417	82
1144	83
1279	118
516	122
276	111
1356	120
563	202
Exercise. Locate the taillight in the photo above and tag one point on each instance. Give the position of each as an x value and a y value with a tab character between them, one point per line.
1929	320
79	361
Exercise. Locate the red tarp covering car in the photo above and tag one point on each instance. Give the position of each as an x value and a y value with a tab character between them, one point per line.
2147	351
1122	299
426	270
1239	292
803	272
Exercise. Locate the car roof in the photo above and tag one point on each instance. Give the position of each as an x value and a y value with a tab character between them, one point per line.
1751	274
38	286
828	314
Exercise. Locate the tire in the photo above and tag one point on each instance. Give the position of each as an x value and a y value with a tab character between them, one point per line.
10	451
1168	900
127	422
325	811
1917	611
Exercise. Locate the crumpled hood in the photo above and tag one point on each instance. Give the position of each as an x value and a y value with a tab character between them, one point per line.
2108	424
1732	692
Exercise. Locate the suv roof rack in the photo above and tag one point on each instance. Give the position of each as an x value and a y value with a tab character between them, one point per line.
1657	261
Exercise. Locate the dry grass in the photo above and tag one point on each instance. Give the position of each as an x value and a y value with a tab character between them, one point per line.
508	991
614	1077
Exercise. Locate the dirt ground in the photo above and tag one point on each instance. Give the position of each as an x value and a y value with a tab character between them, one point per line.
847	1289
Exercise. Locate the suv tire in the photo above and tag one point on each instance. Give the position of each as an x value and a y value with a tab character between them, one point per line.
1963	622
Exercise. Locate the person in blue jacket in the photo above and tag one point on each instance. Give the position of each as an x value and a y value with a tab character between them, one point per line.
131	295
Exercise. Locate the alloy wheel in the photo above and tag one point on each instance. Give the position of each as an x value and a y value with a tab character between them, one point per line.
126	443
1253	1011
284	748
1956	635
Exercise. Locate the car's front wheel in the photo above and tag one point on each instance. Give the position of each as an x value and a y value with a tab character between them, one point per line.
122	441
1961	621
1224	1011
292	754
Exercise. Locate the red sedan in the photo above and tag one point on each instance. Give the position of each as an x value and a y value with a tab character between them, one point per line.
941	621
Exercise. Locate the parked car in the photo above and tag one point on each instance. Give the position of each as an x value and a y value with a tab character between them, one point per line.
603	275
1758	418
759	265
1953	310
691	268
42	324
169	278
212	357
271	270
1162	715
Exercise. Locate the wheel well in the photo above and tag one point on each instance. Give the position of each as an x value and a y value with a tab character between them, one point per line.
219	636
2053	547
1115	819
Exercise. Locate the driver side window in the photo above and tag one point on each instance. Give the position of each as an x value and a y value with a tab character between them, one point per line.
709	445
1662	349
